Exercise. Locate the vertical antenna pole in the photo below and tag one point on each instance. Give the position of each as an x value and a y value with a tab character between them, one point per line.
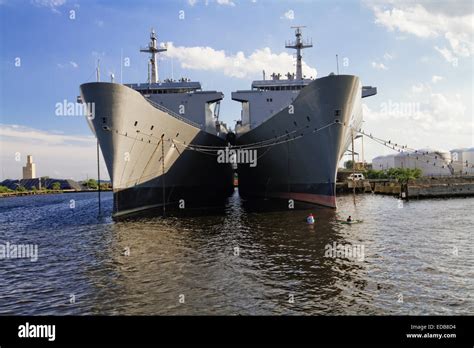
353	164
172	68
98	150
163	172
121	66
98	176
149	72
97	70
363	160
337	64
288	170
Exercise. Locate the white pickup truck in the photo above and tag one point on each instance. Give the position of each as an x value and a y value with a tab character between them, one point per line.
356	177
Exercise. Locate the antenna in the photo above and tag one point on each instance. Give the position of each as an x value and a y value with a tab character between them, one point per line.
154	50
298	45
97	70
149	71
121	65
172	69
337	64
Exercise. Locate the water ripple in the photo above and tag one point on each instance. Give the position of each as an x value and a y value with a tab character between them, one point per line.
417	260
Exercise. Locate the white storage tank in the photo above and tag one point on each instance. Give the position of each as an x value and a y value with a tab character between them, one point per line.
463	161
468	161
431	162
383	162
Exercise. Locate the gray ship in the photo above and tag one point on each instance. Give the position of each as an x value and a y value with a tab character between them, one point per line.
148	132
301	128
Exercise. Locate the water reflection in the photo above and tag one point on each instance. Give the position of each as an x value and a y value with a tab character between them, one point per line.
240	262
250	258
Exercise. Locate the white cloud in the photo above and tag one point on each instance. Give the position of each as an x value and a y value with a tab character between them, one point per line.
290	15
387	56
417	20
424	109
238	65
219	2
226	2
49	3
447	54
55	154
72	64
379	66
22	133
414	20
436	78
52	4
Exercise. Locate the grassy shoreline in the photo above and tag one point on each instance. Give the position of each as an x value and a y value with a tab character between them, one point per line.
44	192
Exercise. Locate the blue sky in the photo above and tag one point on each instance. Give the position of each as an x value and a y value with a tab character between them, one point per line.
415	53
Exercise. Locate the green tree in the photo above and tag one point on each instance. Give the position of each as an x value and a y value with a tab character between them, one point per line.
91	184
21	188
375	174
56	186
349	164
401	174
105	186
4	189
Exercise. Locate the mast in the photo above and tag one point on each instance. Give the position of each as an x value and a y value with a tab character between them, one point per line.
298	45
97	70
153	50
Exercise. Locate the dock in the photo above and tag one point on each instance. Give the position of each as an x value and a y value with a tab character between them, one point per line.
425	187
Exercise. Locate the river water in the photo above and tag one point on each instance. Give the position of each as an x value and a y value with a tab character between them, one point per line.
410	258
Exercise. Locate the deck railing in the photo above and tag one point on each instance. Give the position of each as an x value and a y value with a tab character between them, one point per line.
174	114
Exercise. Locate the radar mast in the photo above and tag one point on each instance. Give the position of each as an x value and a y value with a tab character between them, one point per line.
154	50
298	45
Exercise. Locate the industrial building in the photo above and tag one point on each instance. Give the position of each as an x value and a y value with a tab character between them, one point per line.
463	161
29	171
431	162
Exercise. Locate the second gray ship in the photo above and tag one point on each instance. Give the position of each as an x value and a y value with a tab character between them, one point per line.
300	128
